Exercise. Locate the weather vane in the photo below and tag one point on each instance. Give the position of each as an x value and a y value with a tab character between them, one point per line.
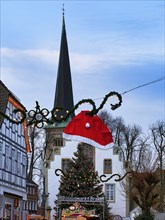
63	9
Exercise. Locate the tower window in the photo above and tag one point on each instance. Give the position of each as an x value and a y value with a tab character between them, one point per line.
59	142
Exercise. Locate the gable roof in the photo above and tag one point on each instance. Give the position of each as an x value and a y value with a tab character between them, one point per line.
7	96
4	93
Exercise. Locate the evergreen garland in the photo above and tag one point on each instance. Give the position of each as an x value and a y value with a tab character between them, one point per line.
39	116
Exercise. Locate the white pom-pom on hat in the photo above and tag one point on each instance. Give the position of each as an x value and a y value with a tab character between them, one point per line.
87	125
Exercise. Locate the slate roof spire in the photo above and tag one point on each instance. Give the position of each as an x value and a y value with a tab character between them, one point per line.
63	92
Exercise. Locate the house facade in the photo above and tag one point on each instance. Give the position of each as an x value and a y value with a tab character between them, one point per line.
14	147
31	204
105	161
60	150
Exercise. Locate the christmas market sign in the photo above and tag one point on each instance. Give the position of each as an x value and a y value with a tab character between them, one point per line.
67	199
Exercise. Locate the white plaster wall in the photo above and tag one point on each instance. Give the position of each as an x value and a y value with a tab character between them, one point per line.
119	206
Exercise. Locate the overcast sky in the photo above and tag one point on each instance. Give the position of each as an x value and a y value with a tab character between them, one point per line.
113	46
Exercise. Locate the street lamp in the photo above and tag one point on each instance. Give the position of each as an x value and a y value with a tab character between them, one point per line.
44	196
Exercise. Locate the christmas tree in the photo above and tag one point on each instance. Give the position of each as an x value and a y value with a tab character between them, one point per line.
81	180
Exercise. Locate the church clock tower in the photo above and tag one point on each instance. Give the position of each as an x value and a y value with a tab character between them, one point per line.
63	98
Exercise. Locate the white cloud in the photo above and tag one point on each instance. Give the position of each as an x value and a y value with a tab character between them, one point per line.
81	63
48	56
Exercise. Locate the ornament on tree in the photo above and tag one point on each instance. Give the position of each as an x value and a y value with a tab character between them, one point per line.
90	130
72	208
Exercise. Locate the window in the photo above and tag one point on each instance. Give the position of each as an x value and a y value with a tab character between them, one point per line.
1	153
13	136
107	166
36	206
49	154
30	205
19	163
59	142
89	152
28	190
65	164
24	183
7	132
24	165
7	162
16	163
110	192
10	177
13	161
15	179
27	205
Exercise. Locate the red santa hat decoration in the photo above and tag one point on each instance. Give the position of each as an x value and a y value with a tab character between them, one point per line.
90	130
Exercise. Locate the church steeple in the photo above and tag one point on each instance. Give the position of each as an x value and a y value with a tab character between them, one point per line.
63	92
